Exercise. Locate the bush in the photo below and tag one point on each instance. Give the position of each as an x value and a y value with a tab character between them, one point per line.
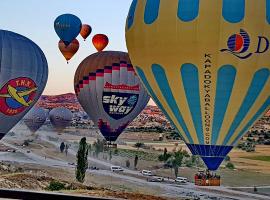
139	145
127	163
56	186
227	158
26	142
230	165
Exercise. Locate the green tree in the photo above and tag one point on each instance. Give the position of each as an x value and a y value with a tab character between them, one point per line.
136	159
82	162
62	147
175	161
230	165
139	145
98	147
127	163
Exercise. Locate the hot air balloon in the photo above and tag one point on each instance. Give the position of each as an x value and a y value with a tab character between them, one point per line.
35	118
206	64
23	76
100	41
70	50
109	91
85	31
60	118
67	27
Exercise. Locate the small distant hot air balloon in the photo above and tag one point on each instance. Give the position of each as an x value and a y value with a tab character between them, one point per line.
100	41
85	31
110	92
23	76
35	118
207	66
70	50
67	27
60	118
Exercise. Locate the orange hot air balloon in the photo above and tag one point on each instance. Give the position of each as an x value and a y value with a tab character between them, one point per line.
100	41
85	31
70	50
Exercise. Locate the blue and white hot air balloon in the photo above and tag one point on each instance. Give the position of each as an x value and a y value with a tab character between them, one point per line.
23	76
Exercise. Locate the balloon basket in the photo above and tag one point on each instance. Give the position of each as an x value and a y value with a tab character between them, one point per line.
207	179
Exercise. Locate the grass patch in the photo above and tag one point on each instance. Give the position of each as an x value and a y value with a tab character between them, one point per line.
260	158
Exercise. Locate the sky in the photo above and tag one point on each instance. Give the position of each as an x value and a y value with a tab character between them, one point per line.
35	20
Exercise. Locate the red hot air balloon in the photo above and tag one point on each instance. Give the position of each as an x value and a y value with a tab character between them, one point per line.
85	31
100	41
70	50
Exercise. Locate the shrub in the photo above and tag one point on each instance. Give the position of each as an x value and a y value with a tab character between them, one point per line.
230	165
127	163
56	186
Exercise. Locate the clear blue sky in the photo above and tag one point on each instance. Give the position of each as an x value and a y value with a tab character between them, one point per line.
34	19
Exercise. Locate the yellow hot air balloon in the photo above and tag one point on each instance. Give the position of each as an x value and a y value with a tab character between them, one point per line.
206	64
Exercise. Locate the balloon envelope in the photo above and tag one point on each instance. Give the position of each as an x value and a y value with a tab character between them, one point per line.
109	91
85	31
35	118
67	27
60	118
23	76
70	50
206	64
100	41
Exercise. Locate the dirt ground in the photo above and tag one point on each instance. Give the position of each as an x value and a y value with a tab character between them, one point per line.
38	180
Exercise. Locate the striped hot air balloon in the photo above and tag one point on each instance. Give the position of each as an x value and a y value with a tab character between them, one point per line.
109	91
206	64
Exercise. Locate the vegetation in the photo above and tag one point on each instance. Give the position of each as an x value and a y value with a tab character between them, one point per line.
127	163
82	162
62	147
56	186
139	145
173	160
129	153
136	161
230	165
98	147
260	158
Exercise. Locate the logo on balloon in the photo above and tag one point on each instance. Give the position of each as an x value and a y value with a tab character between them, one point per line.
119	105
17	95
238	45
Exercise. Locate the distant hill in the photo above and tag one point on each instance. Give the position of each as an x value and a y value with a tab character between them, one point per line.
68	100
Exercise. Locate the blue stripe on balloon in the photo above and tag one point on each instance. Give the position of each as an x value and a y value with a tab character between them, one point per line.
268	11
153	95
233	10
257	85
188	10
131	13
225	82
190	79
253	119
151	11
165	88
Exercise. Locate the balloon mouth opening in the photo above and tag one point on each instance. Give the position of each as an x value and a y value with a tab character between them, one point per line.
212	155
